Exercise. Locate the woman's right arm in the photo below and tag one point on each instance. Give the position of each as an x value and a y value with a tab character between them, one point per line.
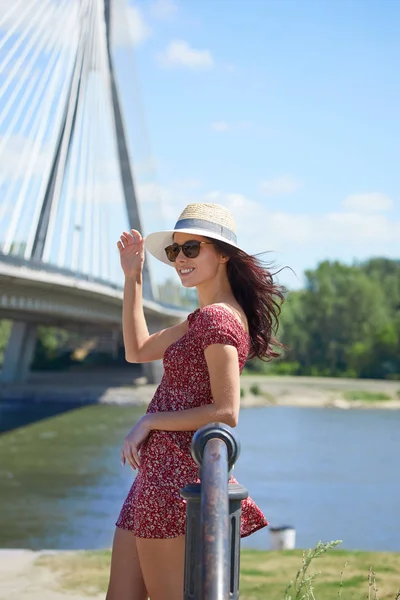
140	346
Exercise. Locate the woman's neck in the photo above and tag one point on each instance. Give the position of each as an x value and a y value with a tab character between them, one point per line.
214	292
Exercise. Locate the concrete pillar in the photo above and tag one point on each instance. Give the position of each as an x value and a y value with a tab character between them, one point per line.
154	370
19	353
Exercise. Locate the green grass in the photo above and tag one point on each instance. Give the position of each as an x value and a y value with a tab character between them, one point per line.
365	395
264	575
255	389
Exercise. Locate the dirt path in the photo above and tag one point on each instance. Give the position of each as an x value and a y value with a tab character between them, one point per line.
21	579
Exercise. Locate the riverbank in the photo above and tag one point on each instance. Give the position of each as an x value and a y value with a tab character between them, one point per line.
320	392
121	388
71	575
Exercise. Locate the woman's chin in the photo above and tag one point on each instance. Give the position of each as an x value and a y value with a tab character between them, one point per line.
188	284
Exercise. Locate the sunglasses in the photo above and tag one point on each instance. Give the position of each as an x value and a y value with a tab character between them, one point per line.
190	249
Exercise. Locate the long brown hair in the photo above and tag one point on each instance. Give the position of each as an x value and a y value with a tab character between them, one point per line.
259	296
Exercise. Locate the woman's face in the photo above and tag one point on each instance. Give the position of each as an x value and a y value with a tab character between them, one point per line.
195	271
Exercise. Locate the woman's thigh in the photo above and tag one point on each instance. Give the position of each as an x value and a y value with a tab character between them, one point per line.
162	562
126	580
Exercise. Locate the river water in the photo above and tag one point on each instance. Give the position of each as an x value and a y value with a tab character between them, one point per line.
331	474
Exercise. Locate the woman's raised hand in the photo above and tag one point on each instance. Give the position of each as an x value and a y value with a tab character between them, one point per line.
131	253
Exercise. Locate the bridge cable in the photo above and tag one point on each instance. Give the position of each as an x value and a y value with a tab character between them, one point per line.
67	62
14	28
38	35
79	229
38	128
71	178
64	148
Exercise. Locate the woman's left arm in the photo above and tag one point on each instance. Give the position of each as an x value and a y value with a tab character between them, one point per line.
223	367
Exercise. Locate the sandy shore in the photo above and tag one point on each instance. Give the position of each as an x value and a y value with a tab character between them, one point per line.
319	392
21	578
279	391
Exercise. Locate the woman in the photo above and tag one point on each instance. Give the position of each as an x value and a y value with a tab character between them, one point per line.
203	358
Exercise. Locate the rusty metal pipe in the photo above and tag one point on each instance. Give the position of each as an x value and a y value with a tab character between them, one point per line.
215	521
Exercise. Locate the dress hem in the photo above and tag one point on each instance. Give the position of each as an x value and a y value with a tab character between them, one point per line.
257	528
170	537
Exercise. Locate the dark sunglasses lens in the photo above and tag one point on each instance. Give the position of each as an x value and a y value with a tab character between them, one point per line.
172	252
191	250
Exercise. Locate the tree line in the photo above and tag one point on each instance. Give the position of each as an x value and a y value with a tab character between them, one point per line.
345	322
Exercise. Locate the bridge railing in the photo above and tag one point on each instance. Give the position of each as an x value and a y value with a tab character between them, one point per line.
213	511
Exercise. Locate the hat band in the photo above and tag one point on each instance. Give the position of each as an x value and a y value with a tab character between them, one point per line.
207	225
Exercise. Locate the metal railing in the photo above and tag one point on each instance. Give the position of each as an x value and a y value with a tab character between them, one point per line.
213	511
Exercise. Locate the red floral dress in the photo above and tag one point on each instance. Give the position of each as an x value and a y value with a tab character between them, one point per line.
154	507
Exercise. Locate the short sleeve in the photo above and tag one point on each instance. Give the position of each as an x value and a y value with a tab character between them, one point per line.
214	326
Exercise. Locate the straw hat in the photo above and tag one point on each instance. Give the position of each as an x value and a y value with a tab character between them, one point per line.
209	220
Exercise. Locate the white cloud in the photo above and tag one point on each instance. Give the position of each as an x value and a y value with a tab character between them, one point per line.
372	202
139	29
261	228
224	126
129	25
182	190
294	239
178	53
220	126
18	153
279	186
163	9
4	210
105	192
152	193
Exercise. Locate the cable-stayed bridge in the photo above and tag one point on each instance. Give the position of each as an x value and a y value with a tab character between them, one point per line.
67	183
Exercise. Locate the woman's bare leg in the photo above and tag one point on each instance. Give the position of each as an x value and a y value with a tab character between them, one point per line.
126	580
162	562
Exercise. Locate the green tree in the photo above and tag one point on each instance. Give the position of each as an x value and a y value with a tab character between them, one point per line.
344	321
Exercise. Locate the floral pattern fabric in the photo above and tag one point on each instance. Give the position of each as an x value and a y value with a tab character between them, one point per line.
154	507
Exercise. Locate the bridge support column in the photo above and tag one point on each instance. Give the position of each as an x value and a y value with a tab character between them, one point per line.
153	371
19	353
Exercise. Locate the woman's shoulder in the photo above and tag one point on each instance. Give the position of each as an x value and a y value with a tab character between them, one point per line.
217	315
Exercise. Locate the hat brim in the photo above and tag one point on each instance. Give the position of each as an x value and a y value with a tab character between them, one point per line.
157	242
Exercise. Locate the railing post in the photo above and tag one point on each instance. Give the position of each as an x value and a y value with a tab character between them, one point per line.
215	521
213	511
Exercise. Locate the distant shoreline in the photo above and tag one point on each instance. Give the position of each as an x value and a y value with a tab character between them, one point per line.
257	391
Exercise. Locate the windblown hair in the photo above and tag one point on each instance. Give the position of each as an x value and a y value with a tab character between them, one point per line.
259	296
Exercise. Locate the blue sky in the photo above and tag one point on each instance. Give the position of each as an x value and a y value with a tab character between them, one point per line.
286	111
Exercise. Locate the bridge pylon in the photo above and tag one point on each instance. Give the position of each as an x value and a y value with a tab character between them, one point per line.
95	23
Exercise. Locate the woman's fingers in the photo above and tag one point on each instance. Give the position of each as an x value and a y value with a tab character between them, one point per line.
128	239
135	453
125	458
133	456
136	234
130	453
